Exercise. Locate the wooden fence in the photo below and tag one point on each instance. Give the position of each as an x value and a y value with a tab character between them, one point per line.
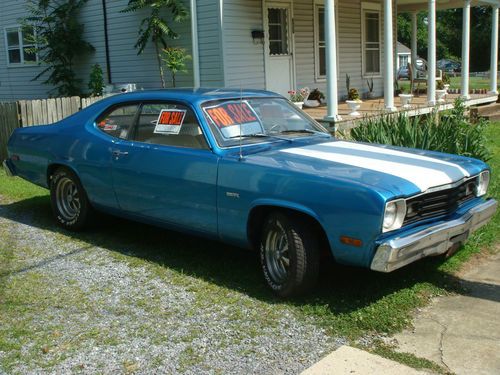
8	122
48	111
36	112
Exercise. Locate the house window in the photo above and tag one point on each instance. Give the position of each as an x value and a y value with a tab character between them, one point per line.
20	45
403	61
320	43
371	42
278	31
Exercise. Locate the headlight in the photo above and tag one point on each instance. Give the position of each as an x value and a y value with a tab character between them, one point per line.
483	180
394	215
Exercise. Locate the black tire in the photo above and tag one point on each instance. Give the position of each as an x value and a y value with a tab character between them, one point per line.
74	212
302	254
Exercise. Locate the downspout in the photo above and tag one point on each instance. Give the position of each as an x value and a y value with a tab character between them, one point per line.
194	39
106	40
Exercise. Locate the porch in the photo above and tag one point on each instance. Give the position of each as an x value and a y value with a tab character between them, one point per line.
372	108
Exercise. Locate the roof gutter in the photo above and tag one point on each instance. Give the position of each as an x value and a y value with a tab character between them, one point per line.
195	50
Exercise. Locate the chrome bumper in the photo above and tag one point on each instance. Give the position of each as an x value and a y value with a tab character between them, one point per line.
398	252
7	169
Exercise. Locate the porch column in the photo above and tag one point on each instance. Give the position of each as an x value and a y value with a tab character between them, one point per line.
388	58
413	38
465	49
331	63
431	53
494	49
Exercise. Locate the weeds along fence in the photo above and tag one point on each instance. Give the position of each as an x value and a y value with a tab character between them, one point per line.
36	112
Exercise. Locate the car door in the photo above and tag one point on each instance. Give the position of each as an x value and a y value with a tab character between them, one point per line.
165	170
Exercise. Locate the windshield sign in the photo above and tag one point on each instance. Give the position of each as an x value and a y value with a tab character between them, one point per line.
234	118
256	120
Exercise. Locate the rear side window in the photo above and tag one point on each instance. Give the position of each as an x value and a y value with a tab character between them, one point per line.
169	124
118	121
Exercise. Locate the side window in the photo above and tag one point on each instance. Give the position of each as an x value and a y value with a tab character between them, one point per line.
118	121
169	124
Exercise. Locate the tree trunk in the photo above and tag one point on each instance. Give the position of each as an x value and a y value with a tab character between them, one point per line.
160	65
173	79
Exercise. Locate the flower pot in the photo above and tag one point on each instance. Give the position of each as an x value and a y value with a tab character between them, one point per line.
354	105
405	100
311	103
299	104
447	87
440	95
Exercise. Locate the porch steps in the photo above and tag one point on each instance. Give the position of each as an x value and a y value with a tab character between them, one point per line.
490	112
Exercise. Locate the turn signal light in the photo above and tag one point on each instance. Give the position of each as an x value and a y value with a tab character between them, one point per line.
351	241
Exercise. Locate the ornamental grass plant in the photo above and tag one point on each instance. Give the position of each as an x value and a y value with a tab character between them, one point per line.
450	131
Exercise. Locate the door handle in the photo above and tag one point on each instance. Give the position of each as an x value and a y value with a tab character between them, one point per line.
118	153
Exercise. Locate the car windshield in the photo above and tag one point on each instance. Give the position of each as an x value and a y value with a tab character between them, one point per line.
257	120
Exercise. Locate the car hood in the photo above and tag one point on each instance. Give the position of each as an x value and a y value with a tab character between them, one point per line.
401	171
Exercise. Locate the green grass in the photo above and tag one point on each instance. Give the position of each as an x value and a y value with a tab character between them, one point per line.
348	302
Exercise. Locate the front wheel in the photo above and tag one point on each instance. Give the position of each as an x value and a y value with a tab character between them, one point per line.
289	254
69	201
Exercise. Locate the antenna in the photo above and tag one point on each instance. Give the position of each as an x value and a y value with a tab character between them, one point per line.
239	120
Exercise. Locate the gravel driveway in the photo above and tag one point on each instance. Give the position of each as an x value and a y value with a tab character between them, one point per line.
71	306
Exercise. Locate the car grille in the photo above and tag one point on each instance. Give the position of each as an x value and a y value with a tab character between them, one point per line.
437	203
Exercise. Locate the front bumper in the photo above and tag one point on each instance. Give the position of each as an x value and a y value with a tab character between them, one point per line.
7	168
400	251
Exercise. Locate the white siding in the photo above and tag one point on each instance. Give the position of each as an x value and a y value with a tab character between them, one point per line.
243	59
209	44
15	81
126	65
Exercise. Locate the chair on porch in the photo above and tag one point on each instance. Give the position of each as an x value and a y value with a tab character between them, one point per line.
418	75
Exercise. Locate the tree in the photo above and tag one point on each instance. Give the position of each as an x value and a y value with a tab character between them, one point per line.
58	39
155	27
449	35
175	61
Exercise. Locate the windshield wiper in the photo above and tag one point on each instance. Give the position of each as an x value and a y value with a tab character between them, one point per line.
308	131
261	135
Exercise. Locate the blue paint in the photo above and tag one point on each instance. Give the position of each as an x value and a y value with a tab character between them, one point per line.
211	192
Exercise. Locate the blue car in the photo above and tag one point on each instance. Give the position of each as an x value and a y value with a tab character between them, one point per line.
250	169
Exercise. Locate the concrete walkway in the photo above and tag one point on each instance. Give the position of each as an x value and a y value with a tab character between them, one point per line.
351	361
462	333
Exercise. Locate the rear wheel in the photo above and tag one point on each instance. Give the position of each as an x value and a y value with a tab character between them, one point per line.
289	254
69	201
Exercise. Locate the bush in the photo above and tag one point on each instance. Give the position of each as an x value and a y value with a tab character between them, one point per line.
450	132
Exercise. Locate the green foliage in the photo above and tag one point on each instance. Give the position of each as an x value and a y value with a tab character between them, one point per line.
446	79
450	132
96	81
155	27
348	82
59	42
175	61
353	94
440	84
449	42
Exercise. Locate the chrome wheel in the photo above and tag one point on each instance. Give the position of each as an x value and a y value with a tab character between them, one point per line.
277	255
68	199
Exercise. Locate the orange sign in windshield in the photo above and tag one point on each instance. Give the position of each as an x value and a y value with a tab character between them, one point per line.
229	114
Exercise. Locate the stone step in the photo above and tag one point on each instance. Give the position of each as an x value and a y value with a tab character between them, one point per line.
486	110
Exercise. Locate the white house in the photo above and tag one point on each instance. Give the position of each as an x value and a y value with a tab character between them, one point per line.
275	45
403	55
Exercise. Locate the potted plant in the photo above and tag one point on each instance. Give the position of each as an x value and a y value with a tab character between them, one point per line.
405	98
446	82
315	98
440	91
354	102
369	83
298	96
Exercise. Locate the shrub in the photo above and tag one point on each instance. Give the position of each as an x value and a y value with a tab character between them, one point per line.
353	94
450	132
96	81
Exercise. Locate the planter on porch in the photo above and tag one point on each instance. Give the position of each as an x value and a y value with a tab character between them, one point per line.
354	106
440	94
405	100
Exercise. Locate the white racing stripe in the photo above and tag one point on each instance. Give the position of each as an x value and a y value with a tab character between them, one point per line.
430	173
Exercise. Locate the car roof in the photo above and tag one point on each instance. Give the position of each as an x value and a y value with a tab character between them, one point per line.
191	95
